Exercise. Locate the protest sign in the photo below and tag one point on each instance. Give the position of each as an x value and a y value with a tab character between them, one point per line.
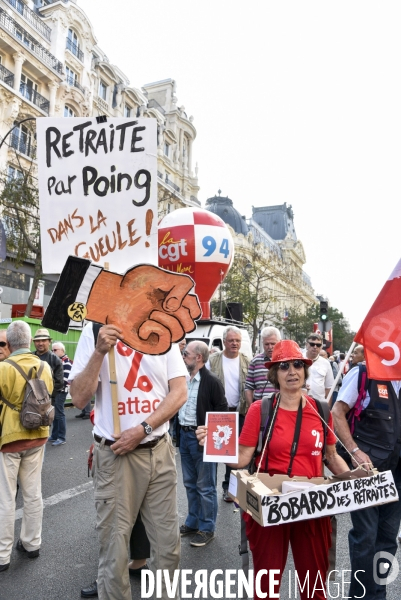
97	191
221	444
262	496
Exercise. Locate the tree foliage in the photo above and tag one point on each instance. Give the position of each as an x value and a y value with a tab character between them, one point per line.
248	282
299	325
19	202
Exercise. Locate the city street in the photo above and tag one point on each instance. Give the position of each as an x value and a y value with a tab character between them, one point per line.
68	559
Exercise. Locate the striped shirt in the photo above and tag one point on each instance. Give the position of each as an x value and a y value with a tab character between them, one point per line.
256	379
67	365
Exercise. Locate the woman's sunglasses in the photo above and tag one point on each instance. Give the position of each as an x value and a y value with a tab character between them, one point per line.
298	364
3	344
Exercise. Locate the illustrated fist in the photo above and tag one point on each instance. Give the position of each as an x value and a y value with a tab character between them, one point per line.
152	306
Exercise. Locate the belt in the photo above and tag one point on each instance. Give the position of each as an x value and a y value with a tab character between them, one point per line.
232	408
189	427
151	444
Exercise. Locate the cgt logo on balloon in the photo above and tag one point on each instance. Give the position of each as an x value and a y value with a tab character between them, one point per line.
198	243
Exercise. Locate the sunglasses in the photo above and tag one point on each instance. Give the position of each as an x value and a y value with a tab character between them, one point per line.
298	364
315	344
3	344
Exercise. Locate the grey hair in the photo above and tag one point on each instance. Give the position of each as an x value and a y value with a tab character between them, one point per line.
202	349
231	328
60	346
19	335
268	331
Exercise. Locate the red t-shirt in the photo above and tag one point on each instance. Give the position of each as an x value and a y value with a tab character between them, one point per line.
308	459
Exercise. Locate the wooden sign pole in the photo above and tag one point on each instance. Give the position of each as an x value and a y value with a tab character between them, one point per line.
113	385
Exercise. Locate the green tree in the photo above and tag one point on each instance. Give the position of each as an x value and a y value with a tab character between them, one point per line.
298	326
19	201
247	282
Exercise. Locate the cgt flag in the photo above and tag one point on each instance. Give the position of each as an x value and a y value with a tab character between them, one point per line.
380	333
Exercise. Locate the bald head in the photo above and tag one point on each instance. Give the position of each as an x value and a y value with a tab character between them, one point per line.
358	355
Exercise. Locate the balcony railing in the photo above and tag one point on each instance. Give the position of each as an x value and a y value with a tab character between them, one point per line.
23	36
75	50
6	76
22	143
72	81
34	96
173	185
160	175
31	17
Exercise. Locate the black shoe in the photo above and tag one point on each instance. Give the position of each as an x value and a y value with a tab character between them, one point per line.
29	553
137	572
80	416
4	567
226	497
86	417
90	591
202	538
185	530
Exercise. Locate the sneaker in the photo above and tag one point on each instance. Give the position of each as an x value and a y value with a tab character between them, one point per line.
226	497
202	538
50	439
58	443
29	553
185	530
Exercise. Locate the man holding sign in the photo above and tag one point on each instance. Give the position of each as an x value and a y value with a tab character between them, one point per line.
135	470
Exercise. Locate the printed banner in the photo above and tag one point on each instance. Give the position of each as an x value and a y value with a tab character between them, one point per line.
98	191
221	443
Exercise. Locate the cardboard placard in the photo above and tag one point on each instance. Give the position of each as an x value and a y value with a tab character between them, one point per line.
262	496
221	443
98	191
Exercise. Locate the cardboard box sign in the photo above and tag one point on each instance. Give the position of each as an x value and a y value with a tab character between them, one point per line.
272	500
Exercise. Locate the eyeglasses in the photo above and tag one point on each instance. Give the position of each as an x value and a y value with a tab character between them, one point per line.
315	344
3	344
185	353
297	364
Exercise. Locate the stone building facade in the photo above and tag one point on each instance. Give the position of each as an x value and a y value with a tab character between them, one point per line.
51	65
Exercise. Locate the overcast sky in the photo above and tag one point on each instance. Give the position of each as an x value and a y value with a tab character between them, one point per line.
293	101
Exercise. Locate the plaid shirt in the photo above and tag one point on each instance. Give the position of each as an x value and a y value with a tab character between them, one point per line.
256	379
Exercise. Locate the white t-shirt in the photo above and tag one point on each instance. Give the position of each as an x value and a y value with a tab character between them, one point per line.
142	384
349	390
320	378
231	380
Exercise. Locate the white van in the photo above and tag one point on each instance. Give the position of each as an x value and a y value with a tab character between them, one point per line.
211	332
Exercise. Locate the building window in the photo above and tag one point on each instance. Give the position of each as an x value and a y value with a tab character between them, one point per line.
127	111
68	112
102	90
70	76
21	140
14	173
73	45
166	148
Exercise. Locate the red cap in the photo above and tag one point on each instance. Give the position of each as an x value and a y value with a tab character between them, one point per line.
287	350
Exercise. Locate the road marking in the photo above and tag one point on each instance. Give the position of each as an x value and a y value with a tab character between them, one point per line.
60	497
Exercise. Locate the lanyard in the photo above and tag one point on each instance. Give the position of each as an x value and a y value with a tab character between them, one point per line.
294	445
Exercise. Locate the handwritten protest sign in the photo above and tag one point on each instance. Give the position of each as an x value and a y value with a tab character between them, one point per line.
261	497
98	191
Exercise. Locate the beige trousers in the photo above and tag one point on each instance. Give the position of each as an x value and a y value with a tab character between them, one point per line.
143	480
27	467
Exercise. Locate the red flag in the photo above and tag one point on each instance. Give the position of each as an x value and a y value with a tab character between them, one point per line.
380	333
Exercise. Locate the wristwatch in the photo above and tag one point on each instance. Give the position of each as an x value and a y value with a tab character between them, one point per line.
148	428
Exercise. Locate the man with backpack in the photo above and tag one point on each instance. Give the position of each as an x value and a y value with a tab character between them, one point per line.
367	417
21	448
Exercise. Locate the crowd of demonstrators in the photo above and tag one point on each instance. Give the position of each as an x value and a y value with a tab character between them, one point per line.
231	367
21	449
205	394
297	384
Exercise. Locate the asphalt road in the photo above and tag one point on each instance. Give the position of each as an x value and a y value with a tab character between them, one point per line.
68	559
